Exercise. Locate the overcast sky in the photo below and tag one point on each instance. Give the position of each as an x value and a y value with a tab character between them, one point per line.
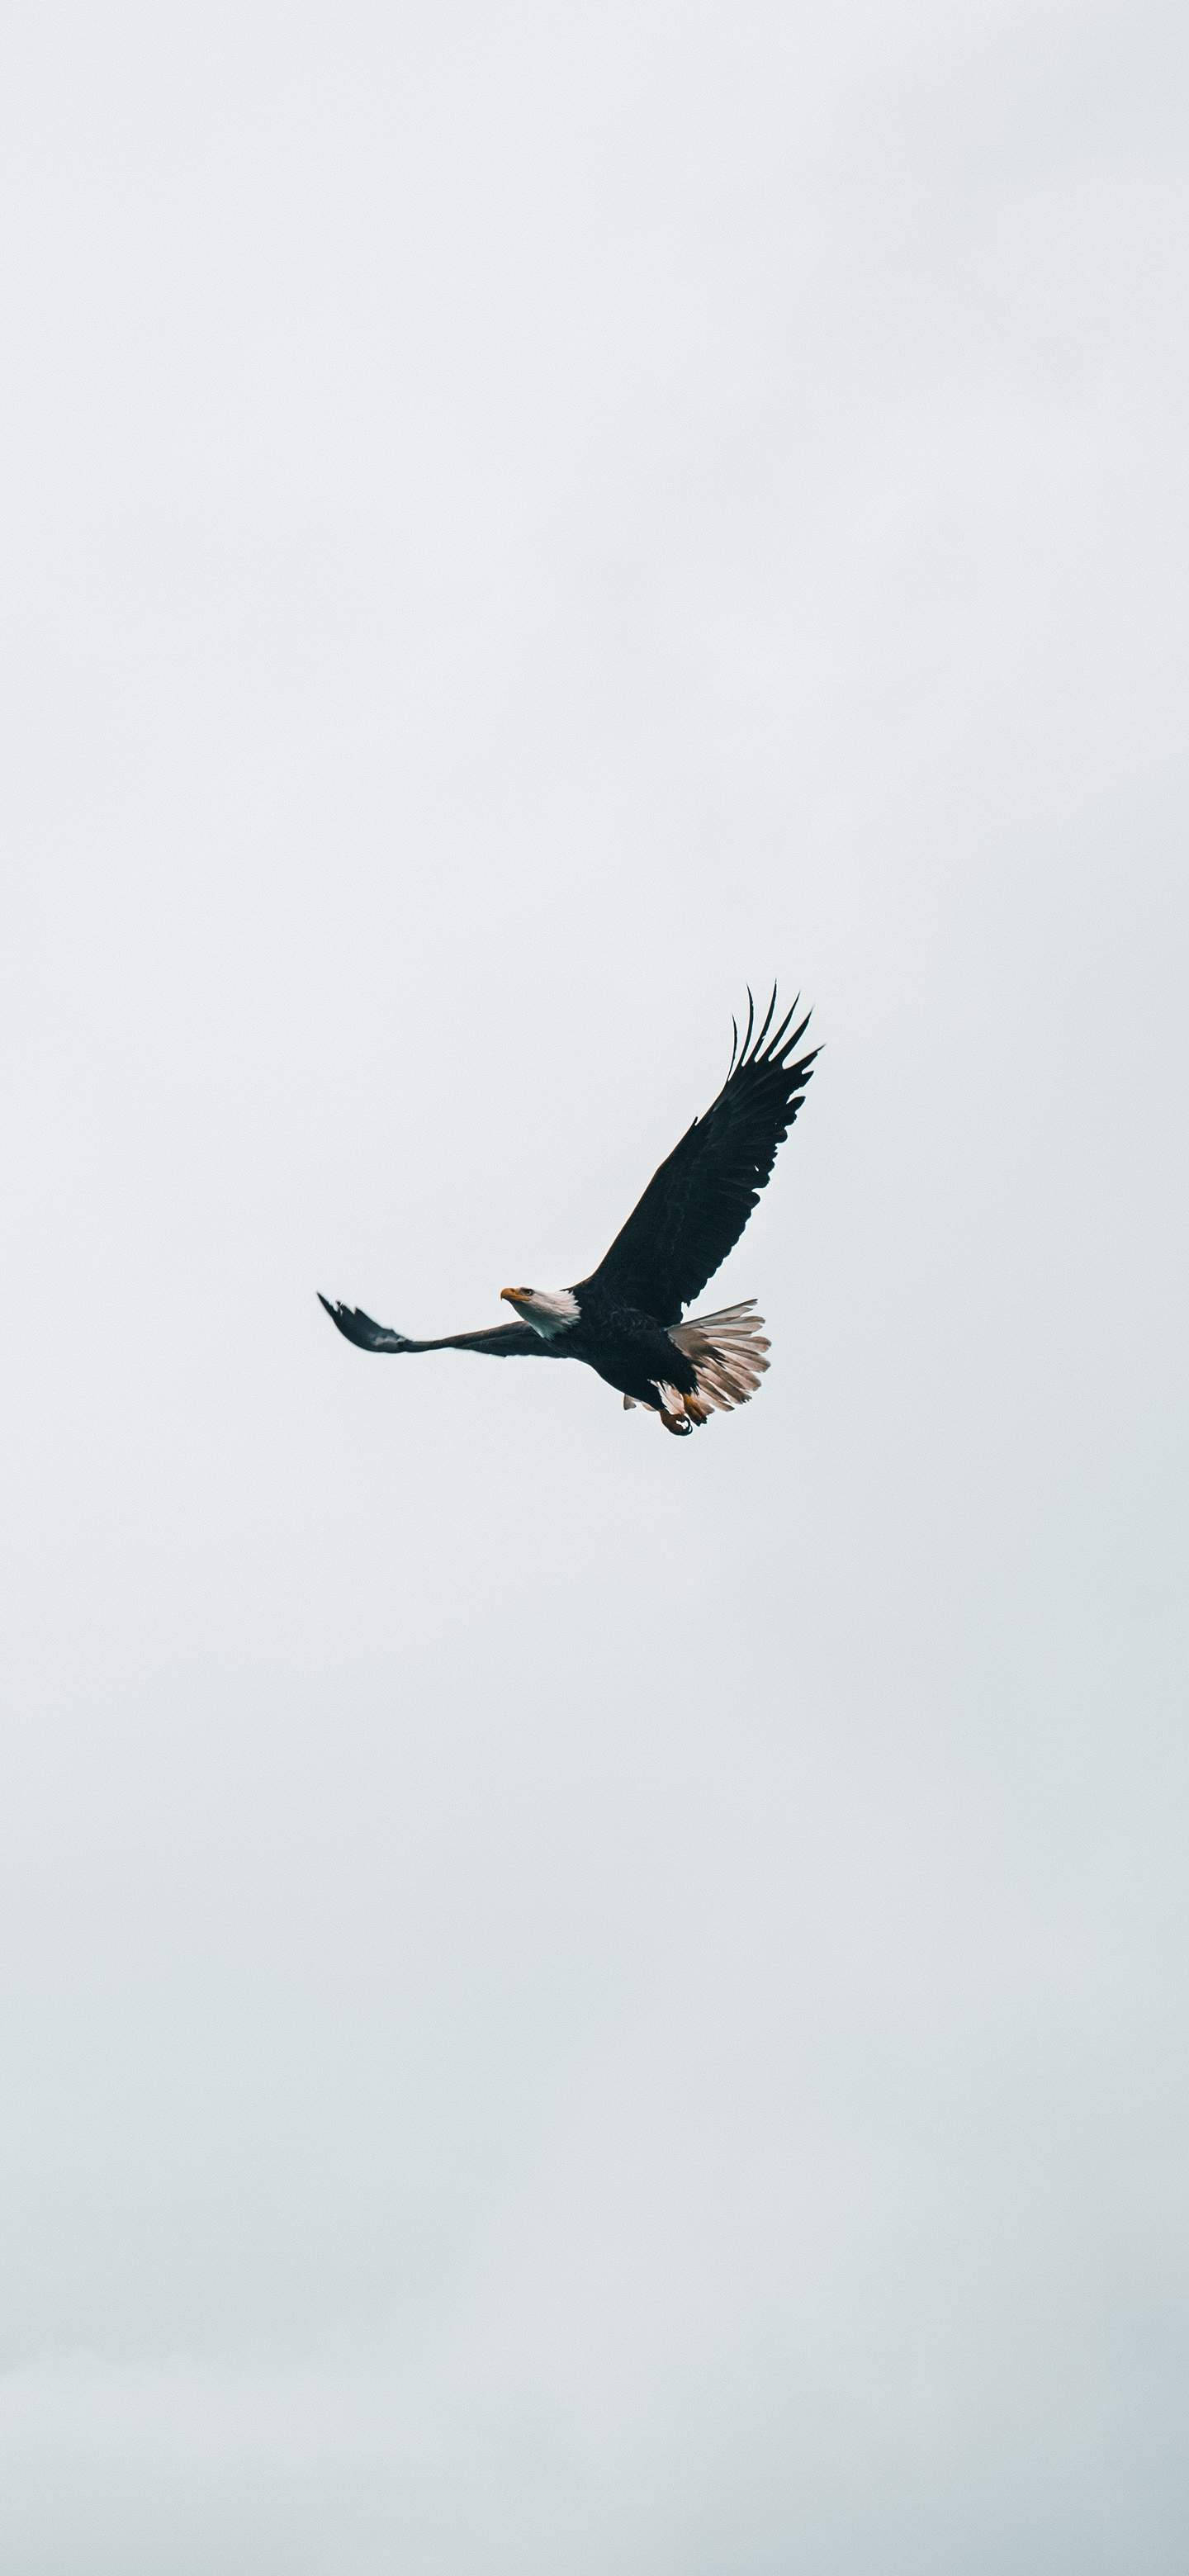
573	2001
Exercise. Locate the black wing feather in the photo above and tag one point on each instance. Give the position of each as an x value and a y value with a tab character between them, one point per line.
500	1341
696	1206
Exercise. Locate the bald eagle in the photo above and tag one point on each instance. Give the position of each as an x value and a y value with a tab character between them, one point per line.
625	1319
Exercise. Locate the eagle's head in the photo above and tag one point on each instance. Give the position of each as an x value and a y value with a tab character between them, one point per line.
548	1310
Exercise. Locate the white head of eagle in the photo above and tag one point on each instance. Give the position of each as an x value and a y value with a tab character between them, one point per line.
549	1311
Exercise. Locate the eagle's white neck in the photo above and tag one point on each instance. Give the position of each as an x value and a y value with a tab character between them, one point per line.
549	1311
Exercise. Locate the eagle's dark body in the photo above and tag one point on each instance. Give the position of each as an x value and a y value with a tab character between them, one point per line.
625	1320
629	1349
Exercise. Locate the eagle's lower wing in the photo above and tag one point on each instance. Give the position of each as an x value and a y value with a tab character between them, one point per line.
696	1206
502	1341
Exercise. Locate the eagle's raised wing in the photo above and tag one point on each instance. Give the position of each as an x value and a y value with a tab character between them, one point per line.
501	1341
696	1206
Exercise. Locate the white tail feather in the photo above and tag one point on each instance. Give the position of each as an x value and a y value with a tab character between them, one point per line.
727	1352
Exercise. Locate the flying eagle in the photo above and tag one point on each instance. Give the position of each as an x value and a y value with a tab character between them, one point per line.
625	1320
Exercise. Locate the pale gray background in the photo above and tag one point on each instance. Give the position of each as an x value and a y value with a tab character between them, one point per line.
576	2003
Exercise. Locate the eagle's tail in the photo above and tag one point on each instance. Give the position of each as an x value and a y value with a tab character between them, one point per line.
727	1351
